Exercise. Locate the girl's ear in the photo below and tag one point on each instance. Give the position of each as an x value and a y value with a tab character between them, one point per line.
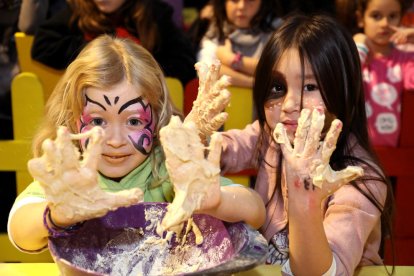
360	19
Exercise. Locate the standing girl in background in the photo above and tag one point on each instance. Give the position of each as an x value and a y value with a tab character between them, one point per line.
149	22
387	70
311	66
237	34
117	85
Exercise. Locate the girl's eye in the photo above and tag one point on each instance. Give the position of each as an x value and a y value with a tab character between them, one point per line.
394	16
310	87
278	90
97	121
376	16
134	122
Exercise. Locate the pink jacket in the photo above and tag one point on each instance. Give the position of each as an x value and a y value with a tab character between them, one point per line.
352	223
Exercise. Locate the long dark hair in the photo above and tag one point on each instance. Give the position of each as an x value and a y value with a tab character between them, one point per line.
332	53
136	16
269	10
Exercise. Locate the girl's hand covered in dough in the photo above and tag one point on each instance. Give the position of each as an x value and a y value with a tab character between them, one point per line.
71	185
196	179
213	97
308	158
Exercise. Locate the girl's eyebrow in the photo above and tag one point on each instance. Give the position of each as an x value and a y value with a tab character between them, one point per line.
277	75
309	76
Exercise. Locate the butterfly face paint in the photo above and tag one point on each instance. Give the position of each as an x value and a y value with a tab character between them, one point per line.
129	125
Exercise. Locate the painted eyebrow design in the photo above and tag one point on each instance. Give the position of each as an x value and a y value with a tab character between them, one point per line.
133	101
95	102
123	107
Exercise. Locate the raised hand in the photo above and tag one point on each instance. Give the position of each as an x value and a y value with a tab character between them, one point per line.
402	35
208	109
308	158
196	178
70	185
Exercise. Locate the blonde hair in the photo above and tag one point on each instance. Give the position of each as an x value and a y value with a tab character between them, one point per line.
104	62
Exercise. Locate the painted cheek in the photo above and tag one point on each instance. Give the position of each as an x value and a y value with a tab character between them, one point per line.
83	126
272	112
142	140
312	103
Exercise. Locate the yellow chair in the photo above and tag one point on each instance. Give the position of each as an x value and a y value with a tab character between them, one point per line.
27	106
240	109
48	76
240	112
176	91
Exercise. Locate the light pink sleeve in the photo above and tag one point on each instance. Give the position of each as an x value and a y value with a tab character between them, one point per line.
238	148
353	229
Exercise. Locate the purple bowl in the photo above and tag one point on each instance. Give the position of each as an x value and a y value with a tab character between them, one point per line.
124	242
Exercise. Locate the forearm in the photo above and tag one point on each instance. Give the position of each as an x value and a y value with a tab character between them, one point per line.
309	251
26	227
250	207
237	78
249	65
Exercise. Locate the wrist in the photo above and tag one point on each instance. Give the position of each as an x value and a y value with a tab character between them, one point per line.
55	230
237	62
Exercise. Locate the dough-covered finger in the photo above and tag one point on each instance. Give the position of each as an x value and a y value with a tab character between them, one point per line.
67	151
40	171
301	133
92	154
212	75
215	149
124	198
218	87
281	137
333	180
329	145
202	70
51	156
314	133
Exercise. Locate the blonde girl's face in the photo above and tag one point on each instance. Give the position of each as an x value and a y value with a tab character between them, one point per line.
241	12
284	102
109	6
129	124
377	19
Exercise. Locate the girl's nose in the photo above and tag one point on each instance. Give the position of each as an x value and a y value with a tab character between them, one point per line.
114	137
291	102
385	21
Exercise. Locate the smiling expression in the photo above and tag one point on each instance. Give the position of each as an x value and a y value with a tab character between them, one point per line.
129	125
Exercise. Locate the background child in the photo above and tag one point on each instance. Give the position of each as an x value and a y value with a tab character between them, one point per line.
387	71
237	34
149	22
117	85
312	63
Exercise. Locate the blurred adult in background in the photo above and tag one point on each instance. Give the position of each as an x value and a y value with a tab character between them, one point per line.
149	22
35	12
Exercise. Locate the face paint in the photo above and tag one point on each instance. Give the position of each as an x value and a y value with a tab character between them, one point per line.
129	124
141	139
